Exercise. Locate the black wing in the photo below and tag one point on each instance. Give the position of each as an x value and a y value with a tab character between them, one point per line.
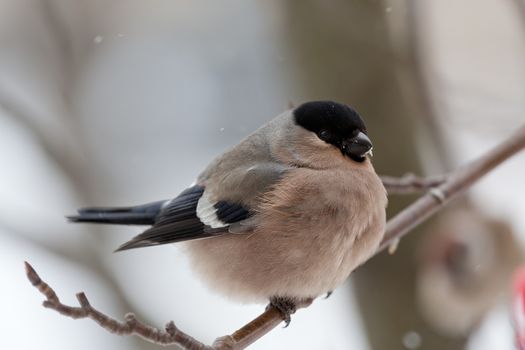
178	221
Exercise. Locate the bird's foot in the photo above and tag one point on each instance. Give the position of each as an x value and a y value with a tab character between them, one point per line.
328	294
287	306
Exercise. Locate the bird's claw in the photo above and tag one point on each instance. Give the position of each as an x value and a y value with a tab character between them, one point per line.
286	306
328	294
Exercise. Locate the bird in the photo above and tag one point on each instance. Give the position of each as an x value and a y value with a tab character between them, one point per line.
284	216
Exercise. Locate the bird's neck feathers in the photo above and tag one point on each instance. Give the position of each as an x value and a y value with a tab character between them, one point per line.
302	148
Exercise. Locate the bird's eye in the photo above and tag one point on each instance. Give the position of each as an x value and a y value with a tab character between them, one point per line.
324	135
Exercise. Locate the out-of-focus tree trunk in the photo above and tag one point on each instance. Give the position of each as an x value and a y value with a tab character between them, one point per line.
343	52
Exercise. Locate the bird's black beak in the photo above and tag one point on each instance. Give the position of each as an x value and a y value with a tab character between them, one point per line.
358	147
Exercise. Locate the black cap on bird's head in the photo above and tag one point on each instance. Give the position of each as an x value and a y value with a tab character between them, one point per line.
336	124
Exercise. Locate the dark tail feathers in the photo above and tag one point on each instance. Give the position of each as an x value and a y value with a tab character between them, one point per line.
139	215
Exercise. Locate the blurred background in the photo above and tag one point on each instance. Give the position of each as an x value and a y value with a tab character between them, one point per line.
124	102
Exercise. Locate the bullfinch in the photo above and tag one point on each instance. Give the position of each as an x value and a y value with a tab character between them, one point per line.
284	216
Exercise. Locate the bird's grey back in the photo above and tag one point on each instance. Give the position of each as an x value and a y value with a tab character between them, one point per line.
253	149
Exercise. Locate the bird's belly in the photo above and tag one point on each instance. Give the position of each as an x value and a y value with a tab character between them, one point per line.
304	264
310	233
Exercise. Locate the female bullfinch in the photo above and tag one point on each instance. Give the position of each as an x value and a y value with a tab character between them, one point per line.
285	215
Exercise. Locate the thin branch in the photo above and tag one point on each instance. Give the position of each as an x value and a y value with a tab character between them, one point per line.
255	329
448	188
410	183
171	336
457	182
